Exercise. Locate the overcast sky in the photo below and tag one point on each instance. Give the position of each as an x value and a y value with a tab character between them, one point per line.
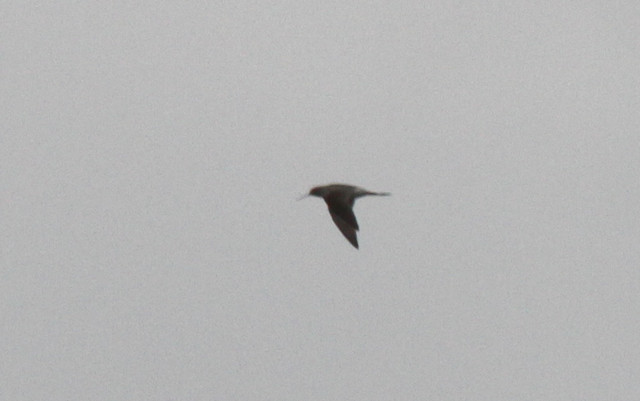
152	247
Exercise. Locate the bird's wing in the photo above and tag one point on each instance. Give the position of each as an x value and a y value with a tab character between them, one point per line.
345	228
342	207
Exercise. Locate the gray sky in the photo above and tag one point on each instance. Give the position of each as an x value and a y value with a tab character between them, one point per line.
152	247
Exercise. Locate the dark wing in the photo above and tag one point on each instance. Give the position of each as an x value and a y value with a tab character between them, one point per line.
342	207
345	228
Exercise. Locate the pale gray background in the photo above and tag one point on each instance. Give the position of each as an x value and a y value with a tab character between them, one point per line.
152	247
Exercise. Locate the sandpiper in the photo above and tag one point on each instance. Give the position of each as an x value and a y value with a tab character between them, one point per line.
340	199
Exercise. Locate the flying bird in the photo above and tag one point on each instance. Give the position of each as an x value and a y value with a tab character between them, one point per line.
340	199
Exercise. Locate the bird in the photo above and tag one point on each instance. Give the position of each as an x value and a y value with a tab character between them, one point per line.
340	199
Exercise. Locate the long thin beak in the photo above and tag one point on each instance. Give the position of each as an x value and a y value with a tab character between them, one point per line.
303	196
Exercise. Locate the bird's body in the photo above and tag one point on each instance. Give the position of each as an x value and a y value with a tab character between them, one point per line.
340	199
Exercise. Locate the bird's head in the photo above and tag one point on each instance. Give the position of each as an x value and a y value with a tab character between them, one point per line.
317	191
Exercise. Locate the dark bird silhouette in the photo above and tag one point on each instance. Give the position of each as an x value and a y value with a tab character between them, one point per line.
340	199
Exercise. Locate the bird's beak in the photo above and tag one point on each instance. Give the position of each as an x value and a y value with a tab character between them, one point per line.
303	196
